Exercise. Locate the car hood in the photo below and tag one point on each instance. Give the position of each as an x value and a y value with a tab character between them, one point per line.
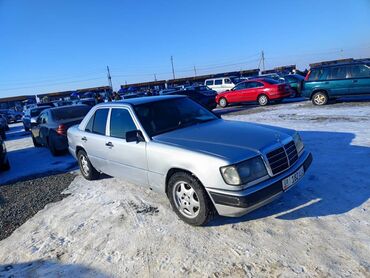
230	140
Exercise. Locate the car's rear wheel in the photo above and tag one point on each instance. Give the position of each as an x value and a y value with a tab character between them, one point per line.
222	102
320	98
87	170
263	100
189	199
52	148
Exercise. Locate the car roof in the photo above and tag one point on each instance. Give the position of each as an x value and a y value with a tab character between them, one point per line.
140	100
340	64
67	106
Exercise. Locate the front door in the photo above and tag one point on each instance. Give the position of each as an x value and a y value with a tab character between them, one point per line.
126	160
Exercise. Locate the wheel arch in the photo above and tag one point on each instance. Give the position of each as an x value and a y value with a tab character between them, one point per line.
319	90
174	170
79	148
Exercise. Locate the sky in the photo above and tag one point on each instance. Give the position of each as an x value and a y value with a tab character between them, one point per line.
49	46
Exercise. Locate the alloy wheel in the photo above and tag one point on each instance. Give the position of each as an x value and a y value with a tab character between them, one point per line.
186	199
84	165
319	99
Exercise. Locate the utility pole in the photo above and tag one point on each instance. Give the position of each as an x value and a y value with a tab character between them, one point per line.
195	72
109	79
173	70
155	77
262	60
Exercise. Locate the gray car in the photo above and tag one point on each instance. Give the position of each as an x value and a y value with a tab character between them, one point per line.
204	164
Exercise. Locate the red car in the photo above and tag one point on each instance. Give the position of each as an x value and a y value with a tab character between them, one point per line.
261	90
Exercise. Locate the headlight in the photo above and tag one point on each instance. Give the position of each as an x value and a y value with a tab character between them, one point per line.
298	142
244	172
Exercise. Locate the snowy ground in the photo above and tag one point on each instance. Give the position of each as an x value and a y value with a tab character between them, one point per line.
29	162
319	228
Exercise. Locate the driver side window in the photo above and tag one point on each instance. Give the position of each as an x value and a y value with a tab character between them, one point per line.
240	86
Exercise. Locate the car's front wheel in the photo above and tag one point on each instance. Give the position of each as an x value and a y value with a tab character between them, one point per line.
222	102
87	170
320	98
189	199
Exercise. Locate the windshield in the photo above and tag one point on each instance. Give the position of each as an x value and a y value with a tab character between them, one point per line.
171	114
70	112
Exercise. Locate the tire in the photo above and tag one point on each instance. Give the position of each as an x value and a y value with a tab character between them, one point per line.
189	200
52	148
320	98
263	100
35	144
6	166
223	102
87	170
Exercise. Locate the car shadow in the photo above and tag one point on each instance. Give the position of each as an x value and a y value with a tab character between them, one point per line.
353	99
337	181
31	163
49	268
16	132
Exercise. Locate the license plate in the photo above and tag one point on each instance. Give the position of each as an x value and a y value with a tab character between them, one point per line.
293	179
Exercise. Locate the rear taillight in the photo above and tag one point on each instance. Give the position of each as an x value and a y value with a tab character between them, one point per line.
307	75
62	130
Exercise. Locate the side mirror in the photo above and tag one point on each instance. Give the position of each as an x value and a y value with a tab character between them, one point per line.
135	136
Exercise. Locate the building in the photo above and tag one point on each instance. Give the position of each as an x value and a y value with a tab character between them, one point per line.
158	85
65	95
16	103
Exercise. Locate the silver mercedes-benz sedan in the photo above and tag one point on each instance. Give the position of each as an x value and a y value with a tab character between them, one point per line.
204	164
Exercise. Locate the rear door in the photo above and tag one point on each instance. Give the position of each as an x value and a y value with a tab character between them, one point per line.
338	81
254	89
218	85
126	159
94	138
360	79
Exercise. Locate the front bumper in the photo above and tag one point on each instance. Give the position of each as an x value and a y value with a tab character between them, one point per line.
237	203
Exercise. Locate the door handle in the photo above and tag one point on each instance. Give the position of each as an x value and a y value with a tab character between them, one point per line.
84	139
355	81
327	82
109	144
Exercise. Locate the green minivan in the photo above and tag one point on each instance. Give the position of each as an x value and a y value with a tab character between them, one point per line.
338	80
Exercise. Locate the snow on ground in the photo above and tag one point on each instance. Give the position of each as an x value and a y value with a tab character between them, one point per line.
319	228
26	161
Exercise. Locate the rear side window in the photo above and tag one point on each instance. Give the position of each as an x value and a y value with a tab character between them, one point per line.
209	82
358	71
100	121
227	81
218	82
319	74
337	73
120	123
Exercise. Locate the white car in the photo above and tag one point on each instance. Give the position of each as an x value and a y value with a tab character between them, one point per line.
220	85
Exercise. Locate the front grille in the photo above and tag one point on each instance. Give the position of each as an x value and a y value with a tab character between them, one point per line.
282	158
